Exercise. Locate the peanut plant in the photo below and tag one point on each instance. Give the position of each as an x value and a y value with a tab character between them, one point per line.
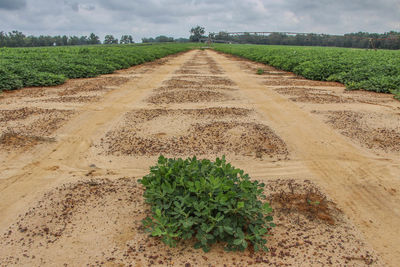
210	201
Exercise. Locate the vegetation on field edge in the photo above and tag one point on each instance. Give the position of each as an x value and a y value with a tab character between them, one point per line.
48	66
377	71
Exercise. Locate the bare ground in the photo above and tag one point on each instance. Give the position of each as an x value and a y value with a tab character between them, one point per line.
100	221
65	149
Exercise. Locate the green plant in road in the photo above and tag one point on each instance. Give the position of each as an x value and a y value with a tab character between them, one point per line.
313	203
260	71
208	201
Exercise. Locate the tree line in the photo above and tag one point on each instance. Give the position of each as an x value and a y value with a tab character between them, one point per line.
389	40
18	39
164	39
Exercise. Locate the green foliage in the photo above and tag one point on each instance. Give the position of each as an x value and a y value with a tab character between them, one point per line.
109	39
196	33
21	67
396	94
9	80
126	39
377	71
208	201
260	71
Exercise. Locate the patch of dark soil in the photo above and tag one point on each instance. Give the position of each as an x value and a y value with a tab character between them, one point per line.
36	130
364	96
247	139
11	140
368	129
188	96
321	99
22	113
199	87
303	198
312	95
143	115
76	99
300	82
199	81
299	91
93	85
187	71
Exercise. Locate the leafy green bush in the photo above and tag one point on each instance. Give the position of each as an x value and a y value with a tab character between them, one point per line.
9	81
208	201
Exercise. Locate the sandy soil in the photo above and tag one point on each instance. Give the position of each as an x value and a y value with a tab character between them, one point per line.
71	156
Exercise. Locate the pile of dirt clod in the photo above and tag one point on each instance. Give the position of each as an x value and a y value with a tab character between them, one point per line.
44	124
27	127
133	118
93	85
197	87
312	95
22	113
188	96
299	82
12	140
246	139
197	81
371	130
77	99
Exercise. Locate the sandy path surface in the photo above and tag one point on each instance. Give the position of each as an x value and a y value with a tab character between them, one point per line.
71	155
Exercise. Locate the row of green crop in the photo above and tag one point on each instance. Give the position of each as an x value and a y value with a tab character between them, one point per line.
24	67
358	69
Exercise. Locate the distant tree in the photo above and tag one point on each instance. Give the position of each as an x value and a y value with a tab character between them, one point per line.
148	40
73	40
58	40
65	40
196	33
158	39
3	39
182	40
16	38
126	39
93	39
163	39
109	39
83	40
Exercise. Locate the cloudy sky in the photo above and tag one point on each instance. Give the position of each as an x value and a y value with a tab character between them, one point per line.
147	18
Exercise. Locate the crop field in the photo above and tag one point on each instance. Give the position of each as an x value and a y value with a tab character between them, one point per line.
371	70
79	136
26	67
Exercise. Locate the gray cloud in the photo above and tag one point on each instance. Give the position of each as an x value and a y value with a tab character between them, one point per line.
145	18
12	4
74	5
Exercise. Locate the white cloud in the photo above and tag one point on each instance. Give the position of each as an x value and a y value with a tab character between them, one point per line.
146	18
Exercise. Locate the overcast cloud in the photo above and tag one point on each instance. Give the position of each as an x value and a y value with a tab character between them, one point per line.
149	18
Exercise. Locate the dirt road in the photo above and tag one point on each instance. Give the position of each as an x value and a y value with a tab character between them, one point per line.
274	126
